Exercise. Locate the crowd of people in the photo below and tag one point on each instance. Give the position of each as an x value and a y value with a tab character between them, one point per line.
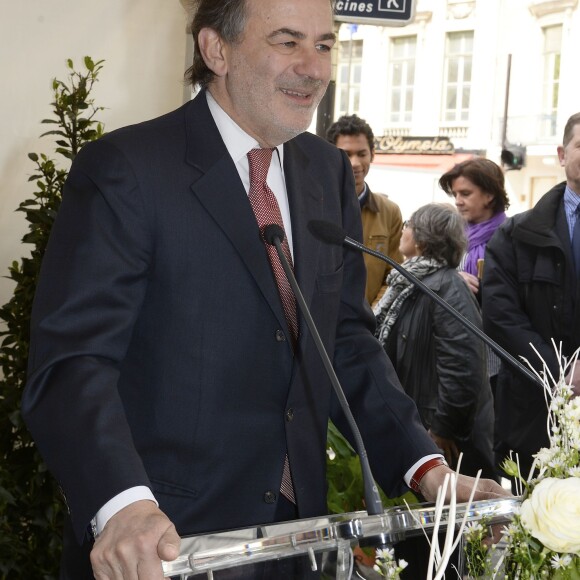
173	386
518	282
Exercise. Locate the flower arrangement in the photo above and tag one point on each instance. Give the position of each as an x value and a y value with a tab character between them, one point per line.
543	539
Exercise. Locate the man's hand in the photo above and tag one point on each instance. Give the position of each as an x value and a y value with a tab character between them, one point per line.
450	450
133	543
486	488
471	281
573	378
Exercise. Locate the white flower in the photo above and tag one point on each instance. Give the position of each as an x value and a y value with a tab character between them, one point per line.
558	462
385	553
473	530
552	514
509	531
403	564
559	561
571	419
545	455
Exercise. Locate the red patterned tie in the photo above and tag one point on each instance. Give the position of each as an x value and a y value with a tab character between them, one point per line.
267	212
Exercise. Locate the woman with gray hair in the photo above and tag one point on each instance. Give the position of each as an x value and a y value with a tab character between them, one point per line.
440	364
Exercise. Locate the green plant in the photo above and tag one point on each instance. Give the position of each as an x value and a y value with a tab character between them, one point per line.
477	550
30	505
346	494
344	477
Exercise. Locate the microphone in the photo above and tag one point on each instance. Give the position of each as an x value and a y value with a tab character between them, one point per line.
274	235
333	234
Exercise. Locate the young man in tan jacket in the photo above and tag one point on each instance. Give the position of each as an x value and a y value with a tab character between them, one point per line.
381	218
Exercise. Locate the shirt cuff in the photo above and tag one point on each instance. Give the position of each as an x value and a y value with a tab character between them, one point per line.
117	503
409	475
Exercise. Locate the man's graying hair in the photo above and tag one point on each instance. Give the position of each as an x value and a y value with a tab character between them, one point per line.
227	18
439	231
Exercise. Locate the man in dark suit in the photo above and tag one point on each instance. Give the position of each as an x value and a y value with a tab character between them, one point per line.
168	390
531	296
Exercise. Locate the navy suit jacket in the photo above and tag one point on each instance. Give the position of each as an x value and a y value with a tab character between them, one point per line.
159	353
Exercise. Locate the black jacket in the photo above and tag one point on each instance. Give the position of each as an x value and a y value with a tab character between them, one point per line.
530	298
442	366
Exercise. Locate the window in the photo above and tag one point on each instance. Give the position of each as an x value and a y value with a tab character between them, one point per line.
457	81
551	88
401	79
349	77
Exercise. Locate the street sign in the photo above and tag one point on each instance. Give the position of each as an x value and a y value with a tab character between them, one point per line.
378	12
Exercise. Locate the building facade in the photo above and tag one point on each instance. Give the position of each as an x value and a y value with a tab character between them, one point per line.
480	74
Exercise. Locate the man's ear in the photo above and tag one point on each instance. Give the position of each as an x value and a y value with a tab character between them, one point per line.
211	48
562	155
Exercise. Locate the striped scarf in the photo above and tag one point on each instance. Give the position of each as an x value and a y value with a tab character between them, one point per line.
399	289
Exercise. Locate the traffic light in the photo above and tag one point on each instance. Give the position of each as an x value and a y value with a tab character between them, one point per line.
513	156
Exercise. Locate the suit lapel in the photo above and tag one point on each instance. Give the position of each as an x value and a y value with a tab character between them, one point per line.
305	200
222	194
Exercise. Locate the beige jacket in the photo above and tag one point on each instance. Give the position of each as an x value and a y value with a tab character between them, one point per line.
382	227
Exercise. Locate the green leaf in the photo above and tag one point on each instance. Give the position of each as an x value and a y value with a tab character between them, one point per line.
33	156
66	153
60	133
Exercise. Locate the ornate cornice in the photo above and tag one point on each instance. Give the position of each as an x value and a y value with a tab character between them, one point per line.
459	9
540	8
423	17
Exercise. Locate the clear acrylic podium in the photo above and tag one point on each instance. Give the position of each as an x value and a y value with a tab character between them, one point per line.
324	543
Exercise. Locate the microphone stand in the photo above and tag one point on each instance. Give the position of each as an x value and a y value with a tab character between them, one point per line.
333	234
274	234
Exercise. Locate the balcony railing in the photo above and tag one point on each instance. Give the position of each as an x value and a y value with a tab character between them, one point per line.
397	132
453	132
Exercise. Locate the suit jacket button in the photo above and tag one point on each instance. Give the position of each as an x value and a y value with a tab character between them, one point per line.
270	497
289	415
280	336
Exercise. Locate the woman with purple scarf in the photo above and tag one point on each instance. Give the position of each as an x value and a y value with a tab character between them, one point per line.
478	187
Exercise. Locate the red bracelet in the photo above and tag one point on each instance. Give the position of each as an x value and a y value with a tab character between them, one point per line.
423	469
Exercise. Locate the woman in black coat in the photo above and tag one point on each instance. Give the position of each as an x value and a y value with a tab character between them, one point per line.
441	365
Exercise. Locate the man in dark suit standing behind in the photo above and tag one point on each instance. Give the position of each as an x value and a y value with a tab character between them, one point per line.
531	295
171	388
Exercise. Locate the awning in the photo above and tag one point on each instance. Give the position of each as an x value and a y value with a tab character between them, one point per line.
436	163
